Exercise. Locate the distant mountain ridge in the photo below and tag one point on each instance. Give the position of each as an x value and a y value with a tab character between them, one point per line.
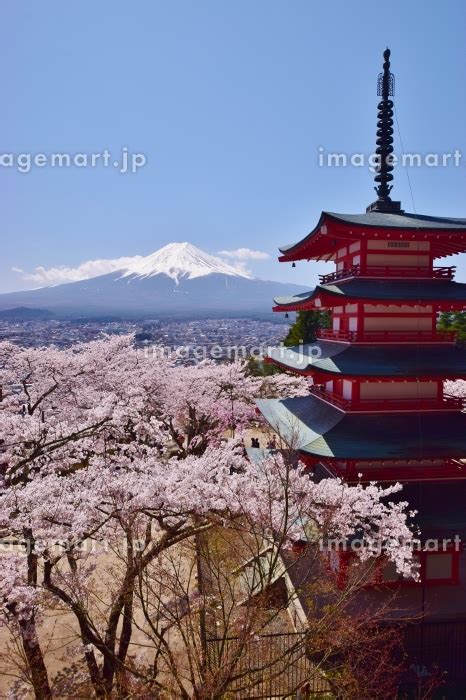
179	280
24	313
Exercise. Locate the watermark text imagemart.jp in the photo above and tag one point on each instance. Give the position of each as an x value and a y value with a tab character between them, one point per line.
125	161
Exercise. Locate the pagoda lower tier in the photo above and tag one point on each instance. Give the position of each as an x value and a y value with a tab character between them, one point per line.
370	446
441	295
325	359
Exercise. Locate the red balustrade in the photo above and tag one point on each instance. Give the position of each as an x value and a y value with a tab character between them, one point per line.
387	336
446	273
334	399
447	402
353	271
330	334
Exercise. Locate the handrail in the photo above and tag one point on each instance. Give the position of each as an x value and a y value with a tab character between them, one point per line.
447	273
447	401
387	336
331	334
353	271
330	397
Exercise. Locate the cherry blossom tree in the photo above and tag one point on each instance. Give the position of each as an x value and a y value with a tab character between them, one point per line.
201	402
112	458
455	388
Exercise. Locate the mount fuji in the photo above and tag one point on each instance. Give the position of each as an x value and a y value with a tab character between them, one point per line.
179	280
180	261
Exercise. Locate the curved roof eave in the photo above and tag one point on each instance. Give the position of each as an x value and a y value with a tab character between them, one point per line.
287	249
371	361
373	290
313	427
400	221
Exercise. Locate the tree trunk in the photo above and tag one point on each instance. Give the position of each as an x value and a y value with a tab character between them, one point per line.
35	660
30	641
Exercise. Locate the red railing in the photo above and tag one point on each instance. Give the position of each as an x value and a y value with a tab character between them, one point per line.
408	336
447	402
447	273
387	336
330	334
353	271
451	403
318	390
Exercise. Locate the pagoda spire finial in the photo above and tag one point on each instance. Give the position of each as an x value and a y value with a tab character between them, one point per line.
384	150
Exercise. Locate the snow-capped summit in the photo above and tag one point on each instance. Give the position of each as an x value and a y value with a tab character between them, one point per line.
177	281
181	261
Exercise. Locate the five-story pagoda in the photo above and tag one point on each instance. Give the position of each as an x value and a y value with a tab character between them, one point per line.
377	408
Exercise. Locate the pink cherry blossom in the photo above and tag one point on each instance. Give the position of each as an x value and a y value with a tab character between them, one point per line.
101	444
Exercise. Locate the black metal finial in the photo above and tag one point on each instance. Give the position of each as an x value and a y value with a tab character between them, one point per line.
386	80
384	150
385	84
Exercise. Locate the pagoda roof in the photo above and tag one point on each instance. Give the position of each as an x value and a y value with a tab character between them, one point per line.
439	506
400	221
373	360
373	290
316	428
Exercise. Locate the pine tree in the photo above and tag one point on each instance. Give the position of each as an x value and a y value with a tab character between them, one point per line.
304	329
453	321
256	367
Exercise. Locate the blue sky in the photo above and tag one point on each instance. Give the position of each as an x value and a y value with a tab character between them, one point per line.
229	101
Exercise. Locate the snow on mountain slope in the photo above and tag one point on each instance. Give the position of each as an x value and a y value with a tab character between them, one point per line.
180	261
177	281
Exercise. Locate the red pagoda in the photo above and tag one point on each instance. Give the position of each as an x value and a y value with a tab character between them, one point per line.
377	408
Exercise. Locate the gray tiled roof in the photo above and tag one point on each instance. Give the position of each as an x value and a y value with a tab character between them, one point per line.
405	220
440	506
381	220
374	360
364	288
314	427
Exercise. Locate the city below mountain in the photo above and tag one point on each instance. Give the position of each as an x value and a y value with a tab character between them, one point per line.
179	280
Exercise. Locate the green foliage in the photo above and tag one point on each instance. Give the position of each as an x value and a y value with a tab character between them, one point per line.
453	321
304	329
258	368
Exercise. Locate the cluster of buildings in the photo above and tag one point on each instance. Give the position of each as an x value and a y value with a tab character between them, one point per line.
61	333
217	339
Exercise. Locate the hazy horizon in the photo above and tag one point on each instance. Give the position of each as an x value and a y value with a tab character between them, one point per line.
228	104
